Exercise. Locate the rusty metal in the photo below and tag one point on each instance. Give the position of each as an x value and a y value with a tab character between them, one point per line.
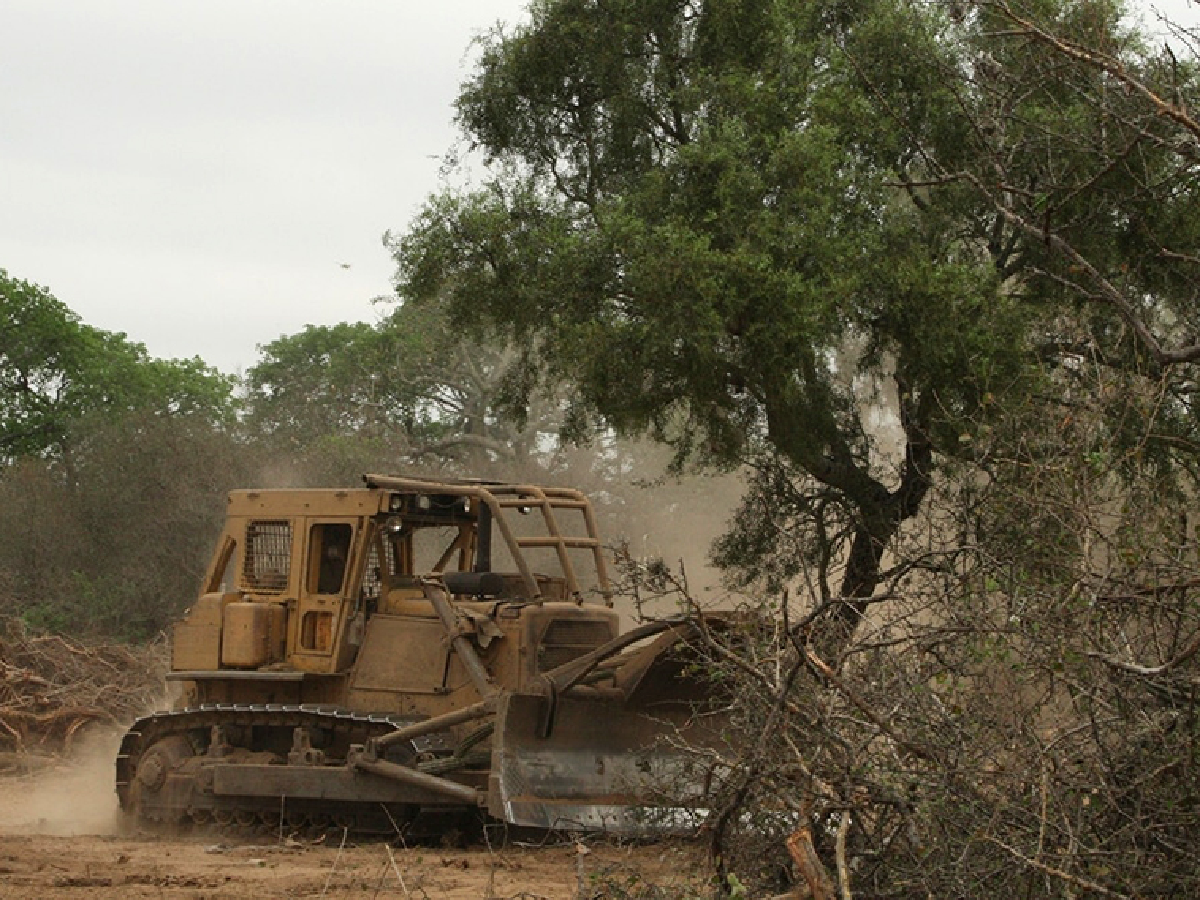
329	783
571	673
499	497
414	778
434	725
604	768
451	621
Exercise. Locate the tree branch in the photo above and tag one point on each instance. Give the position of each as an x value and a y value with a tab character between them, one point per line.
1105	63
1183	656
1106	291
1058	873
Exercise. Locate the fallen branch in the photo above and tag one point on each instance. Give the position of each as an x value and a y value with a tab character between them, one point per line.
52	687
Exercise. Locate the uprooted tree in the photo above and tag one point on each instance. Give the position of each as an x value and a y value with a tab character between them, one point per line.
930	270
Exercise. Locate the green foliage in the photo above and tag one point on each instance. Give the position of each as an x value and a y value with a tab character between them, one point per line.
888	253
107	454
116	464
836	240
691	224
116	543
56	371
410	382
331	380
695	223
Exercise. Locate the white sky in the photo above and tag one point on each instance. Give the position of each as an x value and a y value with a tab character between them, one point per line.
194	172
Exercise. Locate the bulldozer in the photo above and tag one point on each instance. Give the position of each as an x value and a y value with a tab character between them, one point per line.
360	657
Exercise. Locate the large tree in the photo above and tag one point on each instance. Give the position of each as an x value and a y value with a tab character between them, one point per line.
694	222
801	228
113	466
831	239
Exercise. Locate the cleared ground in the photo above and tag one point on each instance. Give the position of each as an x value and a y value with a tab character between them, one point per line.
60	837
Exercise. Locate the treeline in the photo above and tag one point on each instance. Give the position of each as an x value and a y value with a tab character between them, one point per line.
115	465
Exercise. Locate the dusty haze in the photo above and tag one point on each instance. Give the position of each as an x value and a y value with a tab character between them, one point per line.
72	795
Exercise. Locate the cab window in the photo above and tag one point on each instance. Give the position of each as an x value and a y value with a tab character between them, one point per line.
329	549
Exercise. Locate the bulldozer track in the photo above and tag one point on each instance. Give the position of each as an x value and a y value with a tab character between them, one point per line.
341	726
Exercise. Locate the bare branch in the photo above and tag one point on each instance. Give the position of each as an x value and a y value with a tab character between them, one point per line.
1184	655
1106	291
1059	873
1095	58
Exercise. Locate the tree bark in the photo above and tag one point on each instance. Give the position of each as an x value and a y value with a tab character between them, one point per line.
880	515
804	855
878	512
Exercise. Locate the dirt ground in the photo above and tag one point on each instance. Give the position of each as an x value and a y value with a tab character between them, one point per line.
61	837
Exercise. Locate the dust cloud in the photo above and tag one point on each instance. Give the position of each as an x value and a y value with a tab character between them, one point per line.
71	795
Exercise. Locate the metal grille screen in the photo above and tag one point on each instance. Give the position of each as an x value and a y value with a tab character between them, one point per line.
268	556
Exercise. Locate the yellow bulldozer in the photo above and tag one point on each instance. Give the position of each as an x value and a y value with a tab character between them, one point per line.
358	656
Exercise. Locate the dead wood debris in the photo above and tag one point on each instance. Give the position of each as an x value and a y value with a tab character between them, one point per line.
53	688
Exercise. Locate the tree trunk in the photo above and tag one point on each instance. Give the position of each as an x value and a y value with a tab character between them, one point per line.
880	513
808	864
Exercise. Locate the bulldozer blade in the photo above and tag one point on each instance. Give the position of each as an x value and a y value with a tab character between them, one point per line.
603	767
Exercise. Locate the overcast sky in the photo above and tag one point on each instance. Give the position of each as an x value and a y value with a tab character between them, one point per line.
196	173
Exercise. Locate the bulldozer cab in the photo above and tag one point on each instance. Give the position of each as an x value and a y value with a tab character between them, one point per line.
299	573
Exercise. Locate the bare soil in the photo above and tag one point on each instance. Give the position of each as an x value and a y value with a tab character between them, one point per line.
61	836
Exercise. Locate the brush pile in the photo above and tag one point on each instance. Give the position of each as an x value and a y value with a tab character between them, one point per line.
52	689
